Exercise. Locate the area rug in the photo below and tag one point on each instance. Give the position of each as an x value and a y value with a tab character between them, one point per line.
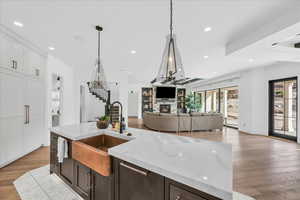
38	184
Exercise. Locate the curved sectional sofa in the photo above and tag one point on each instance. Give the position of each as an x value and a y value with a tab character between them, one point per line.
183	122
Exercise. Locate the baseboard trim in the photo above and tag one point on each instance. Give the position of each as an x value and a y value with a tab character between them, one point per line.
18	157
136	117
268	136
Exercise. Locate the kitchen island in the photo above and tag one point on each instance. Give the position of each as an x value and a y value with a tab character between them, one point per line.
148	166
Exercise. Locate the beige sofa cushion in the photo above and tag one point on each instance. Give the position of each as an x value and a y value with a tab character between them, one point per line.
184	122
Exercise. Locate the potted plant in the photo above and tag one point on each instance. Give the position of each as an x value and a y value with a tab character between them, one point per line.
103	122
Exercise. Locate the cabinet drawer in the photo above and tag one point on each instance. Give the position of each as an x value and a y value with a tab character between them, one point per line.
177	193
135	183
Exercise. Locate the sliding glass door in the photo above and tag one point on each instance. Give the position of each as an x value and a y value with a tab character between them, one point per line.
283	108
200	101
229	106
212	100
223	100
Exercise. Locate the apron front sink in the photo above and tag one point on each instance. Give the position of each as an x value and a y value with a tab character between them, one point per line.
93	152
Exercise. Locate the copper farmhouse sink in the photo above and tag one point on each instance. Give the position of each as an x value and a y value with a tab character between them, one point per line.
93	152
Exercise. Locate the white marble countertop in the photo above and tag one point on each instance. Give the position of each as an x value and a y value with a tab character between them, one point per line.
200	164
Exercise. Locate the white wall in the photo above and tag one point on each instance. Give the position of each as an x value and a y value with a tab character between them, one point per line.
94	107
254	93
137	89
56	66
1	12
133	102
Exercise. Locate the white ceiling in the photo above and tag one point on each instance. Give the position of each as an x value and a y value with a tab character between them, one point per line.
142	26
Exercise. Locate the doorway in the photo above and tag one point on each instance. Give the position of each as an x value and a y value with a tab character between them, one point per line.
229	106
283	110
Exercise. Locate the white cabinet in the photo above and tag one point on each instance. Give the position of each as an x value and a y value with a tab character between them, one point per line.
11	54
21	116
22	99
11	117
19	58
4	55
33	129
33	63
15	53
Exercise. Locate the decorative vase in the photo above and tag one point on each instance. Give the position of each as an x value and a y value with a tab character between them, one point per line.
102	124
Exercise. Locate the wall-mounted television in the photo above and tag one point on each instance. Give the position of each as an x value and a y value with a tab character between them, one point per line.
165	92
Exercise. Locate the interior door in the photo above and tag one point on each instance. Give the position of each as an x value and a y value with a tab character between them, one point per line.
283	108
11	117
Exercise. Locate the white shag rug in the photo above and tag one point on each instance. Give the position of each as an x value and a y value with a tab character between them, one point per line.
38	184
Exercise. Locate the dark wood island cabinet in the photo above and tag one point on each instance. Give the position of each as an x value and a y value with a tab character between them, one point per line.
135	183
127	181
87	183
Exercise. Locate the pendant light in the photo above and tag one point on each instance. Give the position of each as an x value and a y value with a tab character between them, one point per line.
98	85
171	68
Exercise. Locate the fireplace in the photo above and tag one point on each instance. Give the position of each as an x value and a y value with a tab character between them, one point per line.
165	108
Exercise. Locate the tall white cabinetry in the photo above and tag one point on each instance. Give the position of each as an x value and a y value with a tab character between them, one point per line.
22	99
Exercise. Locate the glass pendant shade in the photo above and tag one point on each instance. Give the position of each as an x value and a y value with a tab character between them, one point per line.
98	85
171	66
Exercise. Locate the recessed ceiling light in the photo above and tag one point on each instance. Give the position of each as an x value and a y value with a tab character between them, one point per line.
204	178
19	24
51	48
205	57
207	29
133	51
214	72
251	60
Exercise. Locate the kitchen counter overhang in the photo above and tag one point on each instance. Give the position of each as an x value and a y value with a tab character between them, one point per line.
200	164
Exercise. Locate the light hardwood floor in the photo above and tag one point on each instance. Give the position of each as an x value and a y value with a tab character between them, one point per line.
265	168
11	172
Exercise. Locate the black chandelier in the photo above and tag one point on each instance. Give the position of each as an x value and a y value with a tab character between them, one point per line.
171	68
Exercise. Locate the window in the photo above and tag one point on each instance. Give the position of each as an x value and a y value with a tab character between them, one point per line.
200	100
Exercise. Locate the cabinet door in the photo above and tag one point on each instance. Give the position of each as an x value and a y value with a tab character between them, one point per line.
32	63
15	54
3	54
135	183
10	139
33	132
82	182
34	128
11	117
66	170
102	187
11	96
35	97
